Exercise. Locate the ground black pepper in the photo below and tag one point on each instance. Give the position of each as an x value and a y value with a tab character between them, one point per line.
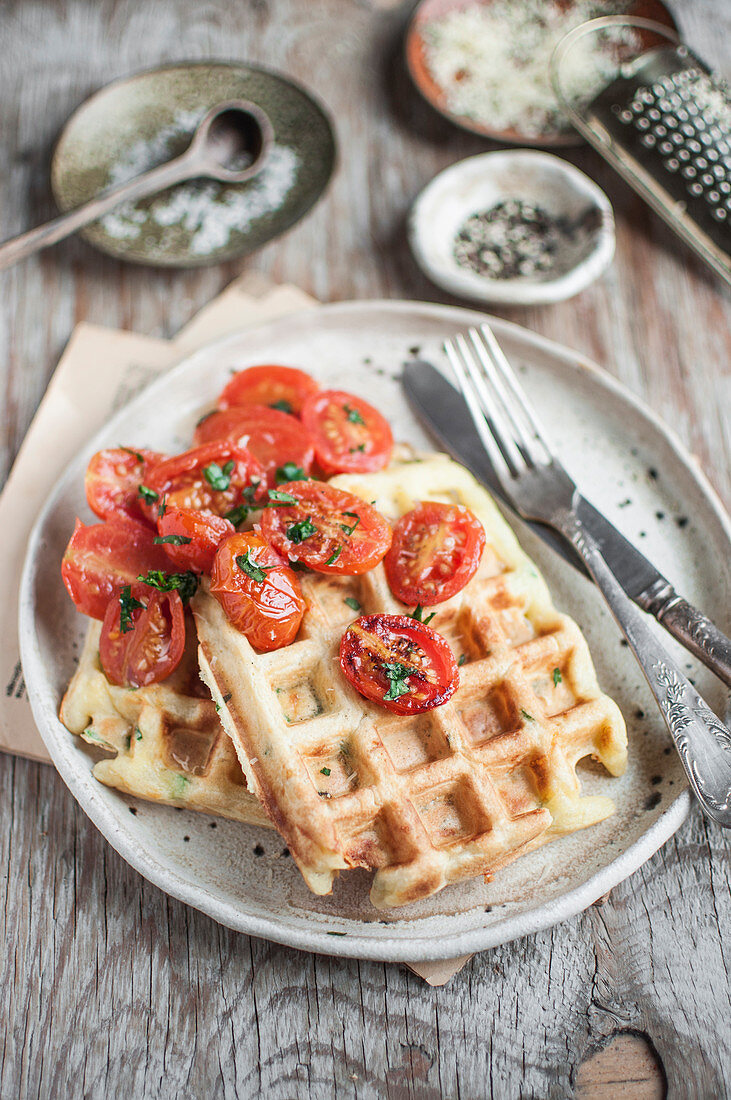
511	239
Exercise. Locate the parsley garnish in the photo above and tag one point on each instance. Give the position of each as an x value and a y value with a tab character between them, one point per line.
396	674
148	495
298	566
353	415
238	514
283	406
334	556
290	471
136	454
349	530
336	933
462	659
184	583
138	733
127	604
172	540
324	771
219	477
526	715
418	614
556	677
352	602
257	573
360	447
162	507
300	531
276	496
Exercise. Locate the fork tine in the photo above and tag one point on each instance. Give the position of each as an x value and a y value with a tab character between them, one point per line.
500	465
493	411
513	387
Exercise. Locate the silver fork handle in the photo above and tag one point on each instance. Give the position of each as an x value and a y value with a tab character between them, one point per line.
702	741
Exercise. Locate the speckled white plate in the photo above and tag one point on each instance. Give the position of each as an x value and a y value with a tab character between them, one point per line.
627	462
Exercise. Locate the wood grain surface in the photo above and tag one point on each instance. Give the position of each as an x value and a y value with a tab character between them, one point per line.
109	988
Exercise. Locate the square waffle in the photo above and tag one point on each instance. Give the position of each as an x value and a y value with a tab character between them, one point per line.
167	741
428	799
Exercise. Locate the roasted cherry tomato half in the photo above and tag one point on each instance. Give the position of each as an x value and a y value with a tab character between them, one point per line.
326	528
398	662
350	436
211	478
283	388
273	437
192	537
103	556
258	591
113	479
143	636
436	550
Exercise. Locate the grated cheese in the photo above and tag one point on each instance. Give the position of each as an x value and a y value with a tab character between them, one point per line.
491	60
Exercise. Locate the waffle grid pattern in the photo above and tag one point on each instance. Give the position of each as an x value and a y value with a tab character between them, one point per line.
429	799
167	743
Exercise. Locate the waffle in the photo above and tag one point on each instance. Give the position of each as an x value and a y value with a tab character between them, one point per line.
434	798
168	742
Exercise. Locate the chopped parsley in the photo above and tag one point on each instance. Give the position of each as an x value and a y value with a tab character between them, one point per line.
396	674
148	495
557	677
336	933
418	614
335	555
135	454
172	540
354	450
290	471
344	526
301	530
324	771
219	477
162	507
138	733
256	572
238	514
353	415
352	602
276	496
283	406
127	604
526	715
184	583
462	658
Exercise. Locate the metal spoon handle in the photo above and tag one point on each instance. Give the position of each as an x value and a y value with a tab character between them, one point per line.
173	171
702	741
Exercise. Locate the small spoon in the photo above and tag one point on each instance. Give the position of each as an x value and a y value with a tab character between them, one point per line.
230	145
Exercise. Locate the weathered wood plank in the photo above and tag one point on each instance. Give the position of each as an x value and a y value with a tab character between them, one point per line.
107	987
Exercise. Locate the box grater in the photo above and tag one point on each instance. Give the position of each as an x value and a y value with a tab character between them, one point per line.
664	123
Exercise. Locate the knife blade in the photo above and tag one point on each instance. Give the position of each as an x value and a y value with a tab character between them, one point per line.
443	411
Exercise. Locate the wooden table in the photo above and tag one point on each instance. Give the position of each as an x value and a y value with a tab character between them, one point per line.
107	986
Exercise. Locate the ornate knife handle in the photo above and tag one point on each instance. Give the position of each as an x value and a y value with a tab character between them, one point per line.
692	629
702	741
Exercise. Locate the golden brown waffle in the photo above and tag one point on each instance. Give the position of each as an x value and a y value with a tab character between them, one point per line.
168	743
438	797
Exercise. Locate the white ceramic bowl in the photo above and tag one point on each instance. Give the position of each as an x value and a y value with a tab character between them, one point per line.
477	184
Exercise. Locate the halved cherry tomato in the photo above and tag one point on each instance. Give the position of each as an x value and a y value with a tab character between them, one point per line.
284	388
436	550
350	436
143	636
193	537
328	529
113	478
259	593
211	478
101	557
398	662
272	436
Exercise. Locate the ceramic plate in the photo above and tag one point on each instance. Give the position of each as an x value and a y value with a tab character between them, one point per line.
137	123
627	462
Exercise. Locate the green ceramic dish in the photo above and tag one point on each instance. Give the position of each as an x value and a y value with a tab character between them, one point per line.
136	123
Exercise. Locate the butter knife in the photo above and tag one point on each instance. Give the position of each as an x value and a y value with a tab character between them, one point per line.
442	409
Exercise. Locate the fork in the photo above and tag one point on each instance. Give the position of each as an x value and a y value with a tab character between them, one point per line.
540	489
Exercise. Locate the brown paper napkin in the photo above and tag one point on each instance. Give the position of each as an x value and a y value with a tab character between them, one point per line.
100	370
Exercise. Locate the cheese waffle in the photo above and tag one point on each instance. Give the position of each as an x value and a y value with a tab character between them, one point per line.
168	742
437	797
